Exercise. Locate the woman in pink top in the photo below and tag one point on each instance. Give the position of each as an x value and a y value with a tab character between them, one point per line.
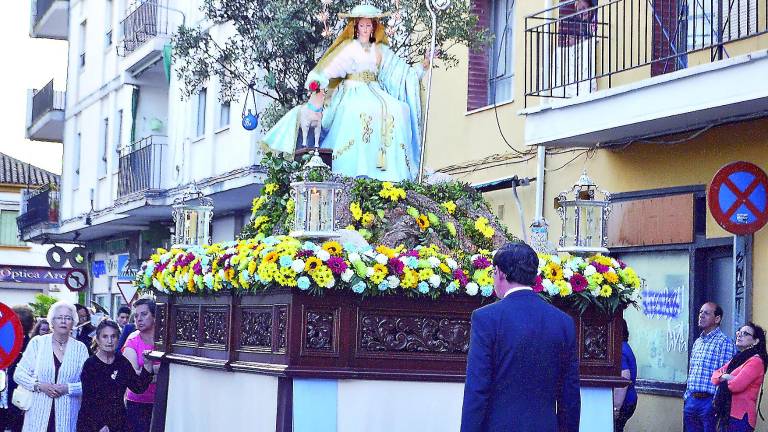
739	381
139	406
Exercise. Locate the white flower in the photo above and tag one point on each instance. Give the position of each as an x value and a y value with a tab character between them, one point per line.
370	253
323	255
549	287
556	259
542	263
567	273
393	281
347	275
434	280
452	264
353	257
614	263
297	265
472	288
331	283
433	261
369	272
381	259
589	271
473	257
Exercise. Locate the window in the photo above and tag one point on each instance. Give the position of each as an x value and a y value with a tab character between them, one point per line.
104	148
82	44
502	67
76	162
108	24
223	115
9	231
118	140
201	101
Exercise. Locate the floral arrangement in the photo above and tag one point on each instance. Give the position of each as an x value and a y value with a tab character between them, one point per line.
282	261
598	280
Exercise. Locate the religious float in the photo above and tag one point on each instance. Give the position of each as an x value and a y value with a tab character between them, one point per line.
345	304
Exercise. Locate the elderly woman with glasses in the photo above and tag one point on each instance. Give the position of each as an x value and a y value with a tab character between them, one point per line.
50	367
738	381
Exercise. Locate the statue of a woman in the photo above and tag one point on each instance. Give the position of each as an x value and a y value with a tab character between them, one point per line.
372	113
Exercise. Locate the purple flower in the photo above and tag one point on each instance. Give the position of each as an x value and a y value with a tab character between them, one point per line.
481	262
198	268
411	253
599	267
337	264
396	266
461	277
304	253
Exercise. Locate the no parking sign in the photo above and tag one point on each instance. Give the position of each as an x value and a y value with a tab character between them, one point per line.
738	198
11	336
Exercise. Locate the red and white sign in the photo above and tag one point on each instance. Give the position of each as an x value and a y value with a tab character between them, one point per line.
76	280
11	336
738	198
129	291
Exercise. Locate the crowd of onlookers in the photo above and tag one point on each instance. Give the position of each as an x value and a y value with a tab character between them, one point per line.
81	374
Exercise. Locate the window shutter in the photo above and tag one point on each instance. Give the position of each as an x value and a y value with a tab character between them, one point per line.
478	67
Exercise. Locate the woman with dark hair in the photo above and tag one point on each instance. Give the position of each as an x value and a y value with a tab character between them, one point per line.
84	328
42	327
139	403
739	381
106	376
625	399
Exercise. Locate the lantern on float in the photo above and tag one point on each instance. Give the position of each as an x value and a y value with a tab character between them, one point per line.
584	218
192	215
316	202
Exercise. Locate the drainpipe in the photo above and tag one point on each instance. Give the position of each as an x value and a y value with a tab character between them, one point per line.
541	156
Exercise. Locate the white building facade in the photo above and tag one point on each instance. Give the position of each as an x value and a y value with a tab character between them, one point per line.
131	145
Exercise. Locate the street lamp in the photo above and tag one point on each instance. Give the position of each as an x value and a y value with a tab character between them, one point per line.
315	210
584	218
192	215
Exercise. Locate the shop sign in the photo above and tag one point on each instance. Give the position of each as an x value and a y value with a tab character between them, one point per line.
26	274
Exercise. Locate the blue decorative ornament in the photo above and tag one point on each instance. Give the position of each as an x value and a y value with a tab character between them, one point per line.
250	121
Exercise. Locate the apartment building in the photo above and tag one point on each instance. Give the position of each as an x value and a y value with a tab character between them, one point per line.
651	98
132	146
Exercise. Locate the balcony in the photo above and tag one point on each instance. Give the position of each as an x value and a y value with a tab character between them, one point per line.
627	70
40	209
140	167
145	33
50	19
45	117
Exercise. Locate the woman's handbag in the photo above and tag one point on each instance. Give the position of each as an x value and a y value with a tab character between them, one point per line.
22	397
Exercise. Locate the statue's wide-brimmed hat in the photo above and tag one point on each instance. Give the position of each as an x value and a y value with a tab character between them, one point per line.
365	11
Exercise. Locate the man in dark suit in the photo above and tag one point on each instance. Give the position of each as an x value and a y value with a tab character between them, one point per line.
522	368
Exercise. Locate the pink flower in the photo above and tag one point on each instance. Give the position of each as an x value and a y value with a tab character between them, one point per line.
411	253
304	253
599	267
481	262
578	282
461	277
197	268
396	266
537	286
337	264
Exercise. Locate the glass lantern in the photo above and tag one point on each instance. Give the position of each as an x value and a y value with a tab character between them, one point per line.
584	218
192	215
315	210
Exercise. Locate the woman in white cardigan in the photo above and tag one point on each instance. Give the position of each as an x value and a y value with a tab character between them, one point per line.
50	367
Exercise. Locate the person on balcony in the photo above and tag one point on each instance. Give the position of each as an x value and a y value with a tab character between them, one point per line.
522	366
372	113
739	381
710	351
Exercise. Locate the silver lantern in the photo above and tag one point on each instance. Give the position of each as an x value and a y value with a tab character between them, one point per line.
315	210
584	218
192	215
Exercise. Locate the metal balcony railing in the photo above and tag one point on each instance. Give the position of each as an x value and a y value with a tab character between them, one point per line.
42	206
140	166
46	100
572	45
148	20
41	7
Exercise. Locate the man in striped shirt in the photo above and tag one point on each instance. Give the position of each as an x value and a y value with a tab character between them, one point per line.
711	350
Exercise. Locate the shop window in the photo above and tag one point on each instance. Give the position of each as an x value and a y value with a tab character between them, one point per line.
9	231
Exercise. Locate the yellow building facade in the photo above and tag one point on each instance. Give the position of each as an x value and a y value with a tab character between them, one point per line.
652	126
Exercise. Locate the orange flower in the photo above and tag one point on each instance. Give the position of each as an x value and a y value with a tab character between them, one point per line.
423	222
270	257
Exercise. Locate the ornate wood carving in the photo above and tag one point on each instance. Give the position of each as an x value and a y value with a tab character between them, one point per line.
319	330
215	326
256	328
413	334
160	321
187	321
282	327
595	341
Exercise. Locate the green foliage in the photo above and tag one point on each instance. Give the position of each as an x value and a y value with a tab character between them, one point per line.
284	39
41	304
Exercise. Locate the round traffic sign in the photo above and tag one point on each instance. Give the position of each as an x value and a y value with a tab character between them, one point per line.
11	336
76	280
738	198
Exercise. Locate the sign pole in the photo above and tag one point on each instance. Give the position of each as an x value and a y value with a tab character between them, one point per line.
742	279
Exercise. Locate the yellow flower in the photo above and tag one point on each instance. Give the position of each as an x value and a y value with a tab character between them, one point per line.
596	279
409	279
270	257
333	248
606	291
386	251
386	185
390	192
449	206
286	277
444	267
611	277
312	264
259	221
380	268
601	259
252	267
270	188
257	203
425	274
563	287
290	206
368	219
357	212
267	271
483	277
553	272
350	227
322	275
423	222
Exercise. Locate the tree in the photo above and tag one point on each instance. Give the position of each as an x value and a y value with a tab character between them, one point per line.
41	304
276	43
